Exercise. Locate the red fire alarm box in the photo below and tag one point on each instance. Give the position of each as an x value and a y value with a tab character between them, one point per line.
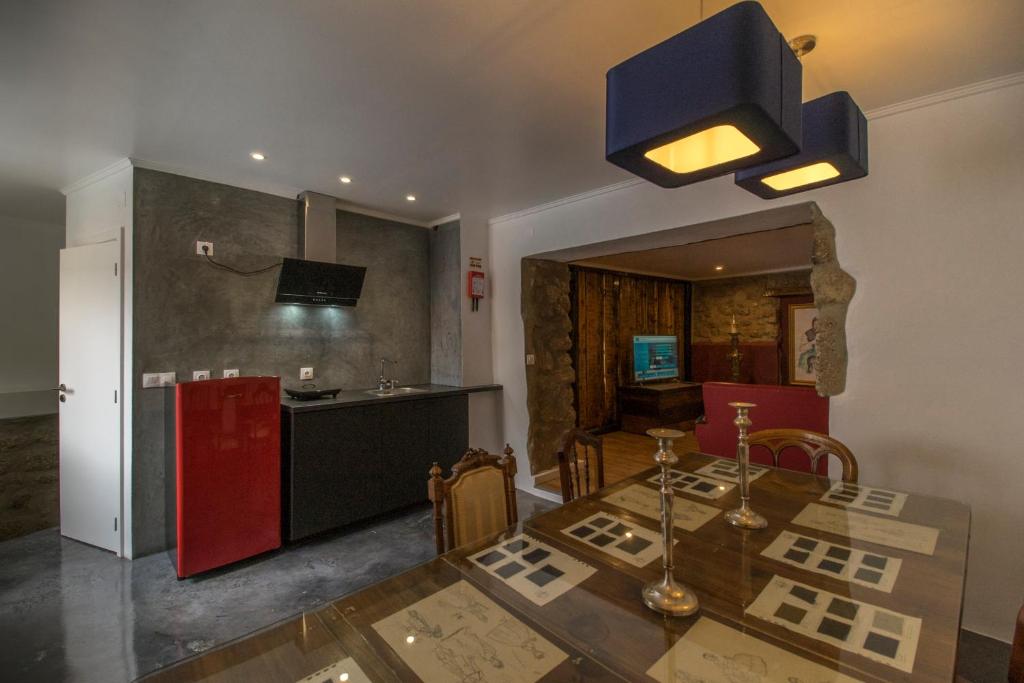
475	288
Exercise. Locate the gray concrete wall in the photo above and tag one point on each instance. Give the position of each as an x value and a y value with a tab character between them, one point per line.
191	316
29	498
446	288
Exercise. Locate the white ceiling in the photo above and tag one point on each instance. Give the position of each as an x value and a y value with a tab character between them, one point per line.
756	252
490	106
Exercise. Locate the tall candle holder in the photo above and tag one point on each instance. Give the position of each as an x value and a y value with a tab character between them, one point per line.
744	517
667	596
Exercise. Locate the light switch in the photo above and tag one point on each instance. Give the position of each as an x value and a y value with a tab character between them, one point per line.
305	373
153	380
531	359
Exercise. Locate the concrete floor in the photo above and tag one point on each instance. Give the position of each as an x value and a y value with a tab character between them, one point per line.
70	612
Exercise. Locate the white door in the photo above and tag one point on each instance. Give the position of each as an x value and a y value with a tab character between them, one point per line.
90	395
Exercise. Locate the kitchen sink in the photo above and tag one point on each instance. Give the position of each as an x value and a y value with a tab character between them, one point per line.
397	391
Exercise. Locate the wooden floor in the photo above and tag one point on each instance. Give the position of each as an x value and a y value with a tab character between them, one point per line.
626	454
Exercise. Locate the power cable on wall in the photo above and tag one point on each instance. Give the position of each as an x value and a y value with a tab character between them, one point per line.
243	273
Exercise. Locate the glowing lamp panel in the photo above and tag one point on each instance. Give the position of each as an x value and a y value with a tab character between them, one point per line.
711	147
798	177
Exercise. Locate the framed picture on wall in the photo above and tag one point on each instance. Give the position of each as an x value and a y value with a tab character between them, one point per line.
801	321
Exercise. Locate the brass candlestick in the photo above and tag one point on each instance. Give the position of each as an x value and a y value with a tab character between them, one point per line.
744	517
667	596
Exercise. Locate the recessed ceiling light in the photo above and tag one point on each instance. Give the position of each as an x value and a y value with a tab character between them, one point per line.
719	267
345	179
257	156
410	197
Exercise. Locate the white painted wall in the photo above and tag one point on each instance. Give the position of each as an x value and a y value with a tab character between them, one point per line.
29	261
98	208
935	238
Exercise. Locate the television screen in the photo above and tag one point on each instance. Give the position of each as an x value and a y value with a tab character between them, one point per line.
655	357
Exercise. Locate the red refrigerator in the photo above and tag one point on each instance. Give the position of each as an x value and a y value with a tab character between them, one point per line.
228	434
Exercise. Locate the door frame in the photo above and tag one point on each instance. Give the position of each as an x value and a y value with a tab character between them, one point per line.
124	469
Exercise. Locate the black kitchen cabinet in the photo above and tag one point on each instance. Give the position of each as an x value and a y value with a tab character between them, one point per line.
354	462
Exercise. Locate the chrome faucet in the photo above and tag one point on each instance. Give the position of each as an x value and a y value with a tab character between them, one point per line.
383	383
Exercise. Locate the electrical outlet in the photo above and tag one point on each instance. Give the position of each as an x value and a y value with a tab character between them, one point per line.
531	359
200	375
201	245
233	372
305	373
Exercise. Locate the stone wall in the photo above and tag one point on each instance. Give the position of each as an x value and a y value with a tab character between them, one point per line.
547	329
757	316
29	492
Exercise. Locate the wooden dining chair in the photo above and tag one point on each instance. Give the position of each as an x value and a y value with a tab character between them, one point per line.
813	444
580	449
478	499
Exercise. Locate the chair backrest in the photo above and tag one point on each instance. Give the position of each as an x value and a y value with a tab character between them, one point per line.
580	464
817	447
778	407
1017	651
478	499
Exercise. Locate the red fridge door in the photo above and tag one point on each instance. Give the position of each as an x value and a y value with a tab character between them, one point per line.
228	470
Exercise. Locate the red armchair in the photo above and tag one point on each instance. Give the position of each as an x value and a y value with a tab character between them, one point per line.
778	407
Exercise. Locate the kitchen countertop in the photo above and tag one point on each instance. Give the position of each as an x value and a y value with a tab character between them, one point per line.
359	397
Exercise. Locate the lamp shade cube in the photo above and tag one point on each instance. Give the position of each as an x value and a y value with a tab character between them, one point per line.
834	150
722	95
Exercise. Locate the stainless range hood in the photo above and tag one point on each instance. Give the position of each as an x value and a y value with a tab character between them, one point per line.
315	279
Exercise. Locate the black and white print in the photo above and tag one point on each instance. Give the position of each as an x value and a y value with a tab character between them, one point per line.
532	568
866	498
729	470
878	634
873	570
617	537
695	484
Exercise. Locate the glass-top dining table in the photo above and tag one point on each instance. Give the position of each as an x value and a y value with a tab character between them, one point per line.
846	583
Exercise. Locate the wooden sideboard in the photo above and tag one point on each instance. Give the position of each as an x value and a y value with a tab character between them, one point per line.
664	404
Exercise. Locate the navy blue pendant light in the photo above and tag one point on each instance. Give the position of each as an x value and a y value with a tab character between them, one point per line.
722	95
834	150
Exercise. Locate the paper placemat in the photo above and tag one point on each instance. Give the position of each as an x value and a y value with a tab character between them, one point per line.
688	515
838	561
617	537
532	568
714	653
695	484
890	532
345	671
870	631
458	634
867	498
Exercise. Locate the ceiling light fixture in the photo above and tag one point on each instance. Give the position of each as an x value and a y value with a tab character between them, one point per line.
721	95
257	156
834	150
410	197
345	179
719	267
